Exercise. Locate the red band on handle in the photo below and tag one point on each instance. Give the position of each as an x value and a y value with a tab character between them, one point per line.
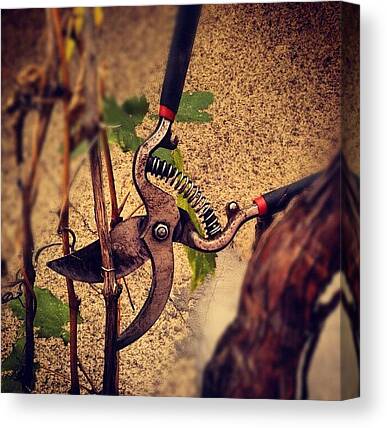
167	113
260	202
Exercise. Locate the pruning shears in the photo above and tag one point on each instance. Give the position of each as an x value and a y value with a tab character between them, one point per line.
139	238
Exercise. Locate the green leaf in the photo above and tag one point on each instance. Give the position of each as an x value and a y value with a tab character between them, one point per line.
192	106
51	315
125	117
202	264
65	336
11	367
171	156
136	108
15	358
10	385
177	159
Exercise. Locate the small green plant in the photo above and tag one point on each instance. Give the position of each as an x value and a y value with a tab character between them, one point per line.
52	316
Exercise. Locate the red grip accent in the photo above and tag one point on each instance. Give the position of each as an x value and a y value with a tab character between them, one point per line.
167	113
260	202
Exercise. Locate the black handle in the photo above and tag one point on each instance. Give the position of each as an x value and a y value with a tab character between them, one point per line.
277	200
178	60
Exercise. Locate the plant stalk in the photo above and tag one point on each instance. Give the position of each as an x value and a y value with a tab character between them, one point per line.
74	301
111	293
115	214
28	199
115	217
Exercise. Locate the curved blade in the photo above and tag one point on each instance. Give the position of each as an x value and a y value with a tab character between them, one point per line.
129	253
162	267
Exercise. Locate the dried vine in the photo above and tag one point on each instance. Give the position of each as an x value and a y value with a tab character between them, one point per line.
63	229
91	128
37	91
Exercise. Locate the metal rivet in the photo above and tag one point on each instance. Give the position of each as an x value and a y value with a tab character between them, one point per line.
160	231
232	206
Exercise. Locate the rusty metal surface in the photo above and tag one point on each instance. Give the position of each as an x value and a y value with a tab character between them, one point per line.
128	250
151	236
236	218
161	209
162	268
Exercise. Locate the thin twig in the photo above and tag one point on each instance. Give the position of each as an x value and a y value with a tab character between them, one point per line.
177	309
96	289
121	207
74	301
79	166
129	295
41	249
91	120
84	220
90	391
114	215
135	210
88	378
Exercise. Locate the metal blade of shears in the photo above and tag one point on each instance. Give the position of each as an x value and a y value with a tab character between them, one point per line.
129	253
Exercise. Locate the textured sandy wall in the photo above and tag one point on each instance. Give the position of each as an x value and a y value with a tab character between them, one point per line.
275	72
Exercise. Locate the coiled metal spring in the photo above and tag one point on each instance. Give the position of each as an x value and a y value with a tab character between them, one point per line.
189	190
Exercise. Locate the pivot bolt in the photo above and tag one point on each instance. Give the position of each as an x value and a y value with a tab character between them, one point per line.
233	206
160	231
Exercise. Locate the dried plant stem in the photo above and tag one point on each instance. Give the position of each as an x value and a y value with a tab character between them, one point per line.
18	127
29	294
115	214
122	206
115	217
88	378
74	301
117	376
111	292
28	199
135	210
28	250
